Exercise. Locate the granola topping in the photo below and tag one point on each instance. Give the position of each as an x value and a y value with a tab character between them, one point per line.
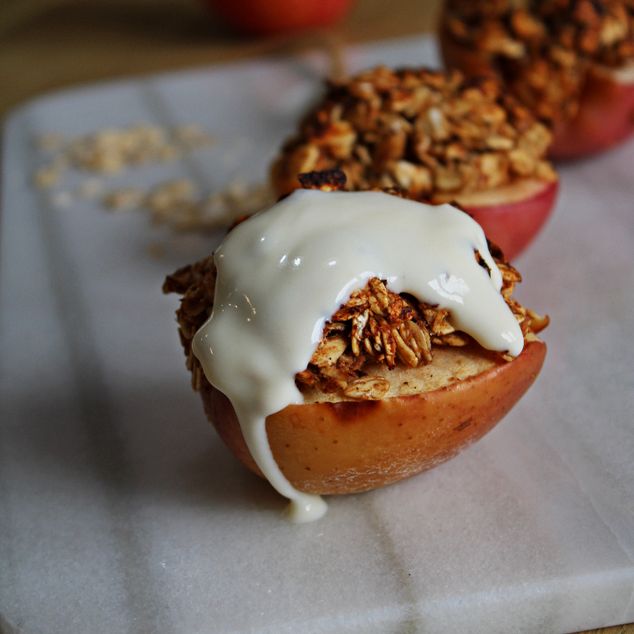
375	326
542	49
428	133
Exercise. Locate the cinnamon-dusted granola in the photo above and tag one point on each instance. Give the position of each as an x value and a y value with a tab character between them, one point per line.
375	326
599	30
542	48
428	133
196	283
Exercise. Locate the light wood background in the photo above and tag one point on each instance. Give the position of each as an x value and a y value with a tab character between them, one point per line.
50	44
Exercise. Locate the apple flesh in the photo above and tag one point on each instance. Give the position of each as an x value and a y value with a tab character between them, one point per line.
271	17
511	215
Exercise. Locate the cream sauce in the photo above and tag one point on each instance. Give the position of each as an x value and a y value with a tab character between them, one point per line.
285	271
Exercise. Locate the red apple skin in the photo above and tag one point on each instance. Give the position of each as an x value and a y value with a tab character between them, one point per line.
514	225
270	17
605	117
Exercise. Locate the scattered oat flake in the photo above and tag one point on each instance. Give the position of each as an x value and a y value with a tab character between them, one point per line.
112	149
170	193
124	199
47	176
49	141
175	203
90	188
192	135
62	199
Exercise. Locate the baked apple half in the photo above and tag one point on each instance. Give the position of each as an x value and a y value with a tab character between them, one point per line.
436	137
392	388
605	116
570	62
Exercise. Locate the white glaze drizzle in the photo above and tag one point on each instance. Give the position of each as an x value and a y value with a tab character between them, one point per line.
285	271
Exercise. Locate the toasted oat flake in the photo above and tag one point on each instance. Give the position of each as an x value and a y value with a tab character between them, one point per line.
174	202
47	176
111	150
193	136
90	188
123	199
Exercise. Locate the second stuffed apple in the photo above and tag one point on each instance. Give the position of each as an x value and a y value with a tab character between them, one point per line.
435	137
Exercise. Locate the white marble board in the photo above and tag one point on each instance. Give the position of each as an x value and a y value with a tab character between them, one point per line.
120	511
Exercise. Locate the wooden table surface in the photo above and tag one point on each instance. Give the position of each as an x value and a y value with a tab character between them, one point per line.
51	44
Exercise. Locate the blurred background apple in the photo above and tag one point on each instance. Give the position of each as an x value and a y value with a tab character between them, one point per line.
271	17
